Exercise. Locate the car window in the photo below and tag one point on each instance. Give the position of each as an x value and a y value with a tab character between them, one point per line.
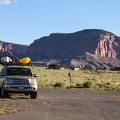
19	71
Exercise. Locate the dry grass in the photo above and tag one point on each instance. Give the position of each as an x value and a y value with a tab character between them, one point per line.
48	77
5	110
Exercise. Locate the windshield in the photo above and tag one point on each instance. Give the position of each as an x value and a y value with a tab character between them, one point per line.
19	71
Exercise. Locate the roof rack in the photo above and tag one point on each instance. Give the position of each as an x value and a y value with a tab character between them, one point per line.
8	61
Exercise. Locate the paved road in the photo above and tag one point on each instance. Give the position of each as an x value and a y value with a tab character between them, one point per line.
65	104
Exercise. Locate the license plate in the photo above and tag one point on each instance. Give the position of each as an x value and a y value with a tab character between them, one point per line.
21	88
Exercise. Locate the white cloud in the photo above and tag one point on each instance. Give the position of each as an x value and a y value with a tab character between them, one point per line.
3	2
6	2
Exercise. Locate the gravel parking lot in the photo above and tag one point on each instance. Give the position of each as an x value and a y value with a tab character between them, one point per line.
65	104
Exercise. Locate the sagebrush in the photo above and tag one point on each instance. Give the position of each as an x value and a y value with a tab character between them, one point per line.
100	79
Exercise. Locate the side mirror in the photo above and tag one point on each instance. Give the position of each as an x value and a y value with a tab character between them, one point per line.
35	75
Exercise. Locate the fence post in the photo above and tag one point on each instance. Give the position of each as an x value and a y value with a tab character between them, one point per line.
69	74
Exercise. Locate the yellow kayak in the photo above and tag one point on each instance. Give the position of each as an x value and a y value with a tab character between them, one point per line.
25	60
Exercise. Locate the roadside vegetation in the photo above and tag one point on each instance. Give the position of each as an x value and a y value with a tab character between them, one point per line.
82	79
6	110
90	79
105	80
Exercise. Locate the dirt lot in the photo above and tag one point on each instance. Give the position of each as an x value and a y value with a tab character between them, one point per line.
64	104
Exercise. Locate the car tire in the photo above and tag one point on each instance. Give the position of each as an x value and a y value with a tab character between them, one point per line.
4	94
33	95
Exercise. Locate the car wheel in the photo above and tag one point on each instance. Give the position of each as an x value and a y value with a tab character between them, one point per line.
4	93
33	95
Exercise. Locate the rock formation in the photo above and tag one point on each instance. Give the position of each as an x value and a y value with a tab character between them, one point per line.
86	48
16	49
106	46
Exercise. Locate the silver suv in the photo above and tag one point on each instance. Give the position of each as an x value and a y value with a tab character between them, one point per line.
18	79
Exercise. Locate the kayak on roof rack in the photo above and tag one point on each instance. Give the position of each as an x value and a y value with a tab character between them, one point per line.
7	61
25	60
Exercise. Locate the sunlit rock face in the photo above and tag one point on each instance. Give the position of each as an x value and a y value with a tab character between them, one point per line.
90	47
15	49
106	46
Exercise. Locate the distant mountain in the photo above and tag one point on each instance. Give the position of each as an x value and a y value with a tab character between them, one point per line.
12	49
90	48
86	48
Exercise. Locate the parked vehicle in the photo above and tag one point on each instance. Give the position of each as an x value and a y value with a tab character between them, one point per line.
18	79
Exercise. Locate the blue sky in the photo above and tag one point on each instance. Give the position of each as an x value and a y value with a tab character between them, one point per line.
23	21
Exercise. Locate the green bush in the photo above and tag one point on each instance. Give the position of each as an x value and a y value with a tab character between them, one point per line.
88	84
58	85
117	89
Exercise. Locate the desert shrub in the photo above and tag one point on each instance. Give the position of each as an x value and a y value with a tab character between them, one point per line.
96	87
58	85
99	80
78	85
108	83
68	87
117	89
88	84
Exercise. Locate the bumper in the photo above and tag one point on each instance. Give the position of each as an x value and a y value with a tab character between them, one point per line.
20	88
